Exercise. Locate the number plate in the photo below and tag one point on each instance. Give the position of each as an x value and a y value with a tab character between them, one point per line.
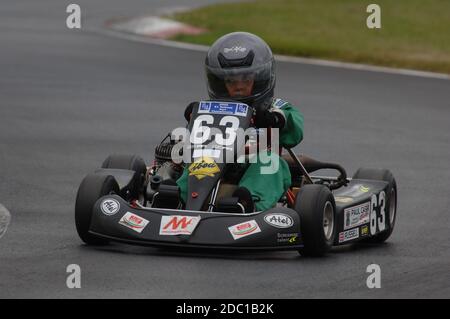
212	107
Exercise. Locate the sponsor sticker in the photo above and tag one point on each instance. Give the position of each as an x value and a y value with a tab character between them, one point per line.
178	225
279	220
349	235
364	230
356	215
133	221
239	109
364	189
290	238
244	229
110	206
203	167
235	49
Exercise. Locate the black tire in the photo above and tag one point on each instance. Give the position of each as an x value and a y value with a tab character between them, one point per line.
91	189
312	203
391	201
132	163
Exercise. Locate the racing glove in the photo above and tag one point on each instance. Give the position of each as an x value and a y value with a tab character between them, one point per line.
271	118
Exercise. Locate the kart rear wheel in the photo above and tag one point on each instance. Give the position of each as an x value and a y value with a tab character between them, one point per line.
132	163
391	203
317	210
91	189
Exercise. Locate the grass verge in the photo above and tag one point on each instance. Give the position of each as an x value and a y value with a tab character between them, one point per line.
414	34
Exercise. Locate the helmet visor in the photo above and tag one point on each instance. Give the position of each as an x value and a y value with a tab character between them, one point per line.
235	83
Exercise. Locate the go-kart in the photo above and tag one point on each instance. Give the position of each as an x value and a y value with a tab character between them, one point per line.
127	201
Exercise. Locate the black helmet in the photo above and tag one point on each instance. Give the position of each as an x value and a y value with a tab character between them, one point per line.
241	54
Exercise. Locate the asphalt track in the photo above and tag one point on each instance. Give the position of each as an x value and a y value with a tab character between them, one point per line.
69	98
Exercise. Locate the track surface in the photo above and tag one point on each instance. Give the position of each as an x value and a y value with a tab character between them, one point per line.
69	98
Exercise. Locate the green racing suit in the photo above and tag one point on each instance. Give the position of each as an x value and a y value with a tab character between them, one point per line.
267	189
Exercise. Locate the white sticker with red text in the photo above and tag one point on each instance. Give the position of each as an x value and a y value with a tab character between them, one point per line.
349	235
134	222
356	215
178	225
244	229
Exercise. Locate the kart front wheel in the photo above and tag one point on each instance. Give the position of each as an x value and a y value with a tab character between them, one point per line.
317	210
91	189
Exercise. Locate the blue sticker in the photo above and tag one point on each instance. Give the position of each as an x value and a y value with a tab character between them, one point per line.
204	106
242	109
230	108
